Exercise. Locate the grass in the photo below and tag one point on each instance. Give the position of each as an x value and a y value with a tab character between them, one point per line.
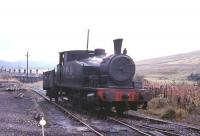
38	84
2	78
162	108
174	101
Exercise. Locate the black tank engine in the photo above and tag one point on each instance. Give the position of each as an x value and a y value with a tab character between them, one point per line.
95	80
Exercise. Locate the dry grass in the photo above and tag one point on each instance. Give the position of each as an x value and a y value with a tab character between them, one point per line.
38	84
180	102
9	79
176	67
162	108
157	103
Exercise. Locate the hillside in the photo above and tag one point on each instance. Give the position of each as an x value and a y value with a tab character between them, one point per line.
176	67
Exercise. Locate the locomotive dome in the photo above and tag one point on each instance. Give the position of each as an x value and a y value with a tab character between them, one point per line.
121	68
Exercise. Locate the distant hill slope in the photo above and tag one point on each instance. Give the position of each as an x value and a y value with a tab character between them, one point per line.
22	64
176	67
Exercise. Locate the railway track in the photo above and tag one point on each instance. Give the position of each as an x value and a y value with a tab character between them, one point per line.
155	120
131	127
94	129
153	131
39	91
142	128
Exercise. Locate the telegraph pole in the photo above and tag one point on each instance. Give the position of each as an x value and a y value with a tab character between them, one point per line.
27	55
88	38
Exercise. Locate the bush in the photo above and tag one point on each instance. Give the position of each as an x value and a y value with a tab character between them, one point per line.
169	113
157	103
166	110
180	114
173	113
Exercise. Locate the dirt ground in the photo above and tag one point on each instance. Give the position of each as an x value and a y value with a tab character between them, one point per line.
18	110
15	115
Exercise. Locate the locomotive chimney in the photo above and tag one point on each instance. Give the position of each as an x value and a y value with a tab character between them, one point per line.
117	45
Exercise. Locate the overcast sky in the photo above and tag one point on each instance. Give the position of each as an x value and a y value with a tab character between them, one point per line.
150	28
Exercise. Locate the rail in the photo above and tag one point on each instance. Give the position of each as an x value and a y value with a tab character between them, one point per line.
143	126
195	128
38	91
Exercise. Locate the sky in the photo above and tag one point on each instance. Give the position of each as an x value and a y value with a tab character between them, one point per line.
150	28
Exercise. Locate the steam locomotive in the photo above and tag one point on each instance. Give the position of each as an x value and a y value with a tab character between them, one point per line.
95	80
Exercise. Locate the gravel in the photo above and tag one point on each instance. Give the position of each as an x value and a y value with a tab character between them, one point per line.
21	110
17	117
14	115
